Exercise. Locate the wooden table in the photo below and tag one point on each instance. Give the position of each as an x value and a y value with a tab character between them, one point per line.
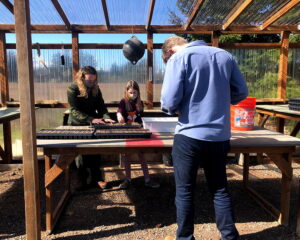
281	112
277	146
6	116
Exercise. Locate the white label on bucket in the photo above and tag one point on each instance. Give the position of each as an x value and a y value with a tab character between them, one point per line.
244	117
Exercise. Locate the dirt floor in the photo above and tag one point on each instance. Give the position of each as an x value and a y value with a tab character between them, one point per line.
142	213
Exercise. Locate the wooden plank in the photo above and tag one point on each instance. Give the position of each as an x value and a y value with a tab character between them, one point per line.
193	29
149	85
295	130
283	163
285	197
60	207
60	165
159	45
150	14
278	13
298	210
280	125
193	14
235	12
3	71
264	203
8	5
61	13
75	54
283	65
246	169
49	198
215	35
104	6
28	125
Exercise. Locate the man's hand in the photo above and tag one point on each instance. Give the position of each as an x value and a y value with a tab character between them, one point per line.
98	121
109	121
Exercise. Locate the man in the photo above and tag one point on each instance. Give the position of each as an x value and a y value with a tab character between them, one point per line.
200	83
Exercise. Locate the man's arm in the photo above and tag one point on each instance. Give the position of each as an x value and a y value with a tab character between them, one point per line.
172	89
238	87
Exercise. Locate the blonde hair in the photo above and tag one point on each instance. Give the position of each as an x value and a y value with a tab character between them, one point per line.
79	80
134	85
169	44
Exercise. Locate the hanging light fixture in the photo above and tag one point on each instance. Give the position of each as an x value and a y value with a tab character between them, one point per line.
133	50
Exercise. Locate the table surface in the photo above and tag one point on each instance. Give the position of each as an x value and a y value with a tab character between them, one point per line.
284	108
258	137
7	113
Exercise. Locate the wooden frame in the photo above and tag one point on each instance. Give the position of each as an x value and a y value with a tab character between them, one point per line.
150	14
27	120
3	71
236	12
106	16
61	14
193	14
283	65
8	5
279	13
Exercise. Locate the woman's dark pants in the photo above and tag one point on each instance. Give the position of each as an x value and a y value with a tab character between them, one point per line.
188	154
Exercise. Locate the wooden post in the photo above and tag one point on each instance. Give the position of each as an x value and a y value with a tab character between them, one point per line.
283	65
215	38
149	85
27	120
75	53
3	70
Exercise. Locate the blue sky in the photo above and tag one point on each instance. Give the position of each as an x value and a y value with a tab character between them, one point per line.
88	38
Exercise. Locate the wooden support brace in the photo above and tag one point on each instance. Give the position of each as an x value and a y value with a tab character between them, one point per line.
283	164
60	165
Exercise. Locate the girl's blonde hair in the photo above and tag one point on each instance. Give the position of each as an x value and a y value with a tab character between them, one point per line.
79	80
134	85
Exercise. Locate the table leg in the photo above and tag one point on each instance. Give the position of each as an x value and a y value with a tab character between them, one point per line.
7	142
298	211
49	199
246	169
280	125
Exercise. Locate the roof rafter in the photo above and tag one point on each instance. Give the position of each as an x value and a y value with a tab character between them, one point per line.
150	14
8	5
61	13
104	6
236	12
277	14
193	14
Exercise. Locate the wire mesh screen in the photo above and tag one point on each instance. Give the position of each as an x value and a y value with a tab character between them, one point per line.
114	71
51	78
260	70
158	74
259	67
293	82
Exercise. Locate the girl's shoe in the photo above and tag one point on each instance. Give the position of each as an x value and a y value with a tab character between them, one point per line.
152	184
125	184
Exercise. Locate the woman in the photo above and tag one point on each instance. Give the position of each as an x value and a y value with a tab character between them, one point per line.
87	107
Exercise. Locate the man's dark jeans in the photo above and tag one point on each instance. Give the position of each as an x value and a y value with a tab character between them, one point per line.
188	154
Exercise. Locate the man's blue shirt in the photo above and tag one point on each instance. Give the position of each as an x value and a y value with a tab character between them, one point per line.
200	83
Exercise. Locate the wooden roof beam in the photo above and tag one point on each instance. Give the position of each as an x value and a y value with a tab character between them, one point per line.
193	14
150	14
277	14
104	6
207	29
8	5
61	13
236	12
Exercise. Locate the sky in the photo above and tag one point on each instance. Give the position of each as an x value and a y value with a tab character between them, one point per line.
88	38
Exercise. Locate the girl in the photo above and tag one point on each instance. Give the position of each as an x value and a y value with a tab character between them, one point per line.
130	110
87	106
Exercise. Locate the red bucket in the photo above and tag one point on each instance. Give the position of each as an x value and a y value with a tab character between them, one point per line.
242	114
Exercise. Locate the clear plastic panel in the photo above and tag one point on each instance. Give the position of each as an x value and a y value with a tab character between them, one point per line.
6	17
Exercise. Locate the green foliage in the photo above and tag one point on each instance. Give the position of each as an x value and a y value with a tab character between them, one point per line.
294	38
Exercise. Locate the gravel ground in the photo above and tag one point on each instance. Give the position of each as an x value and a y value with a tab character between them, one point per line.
142	213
